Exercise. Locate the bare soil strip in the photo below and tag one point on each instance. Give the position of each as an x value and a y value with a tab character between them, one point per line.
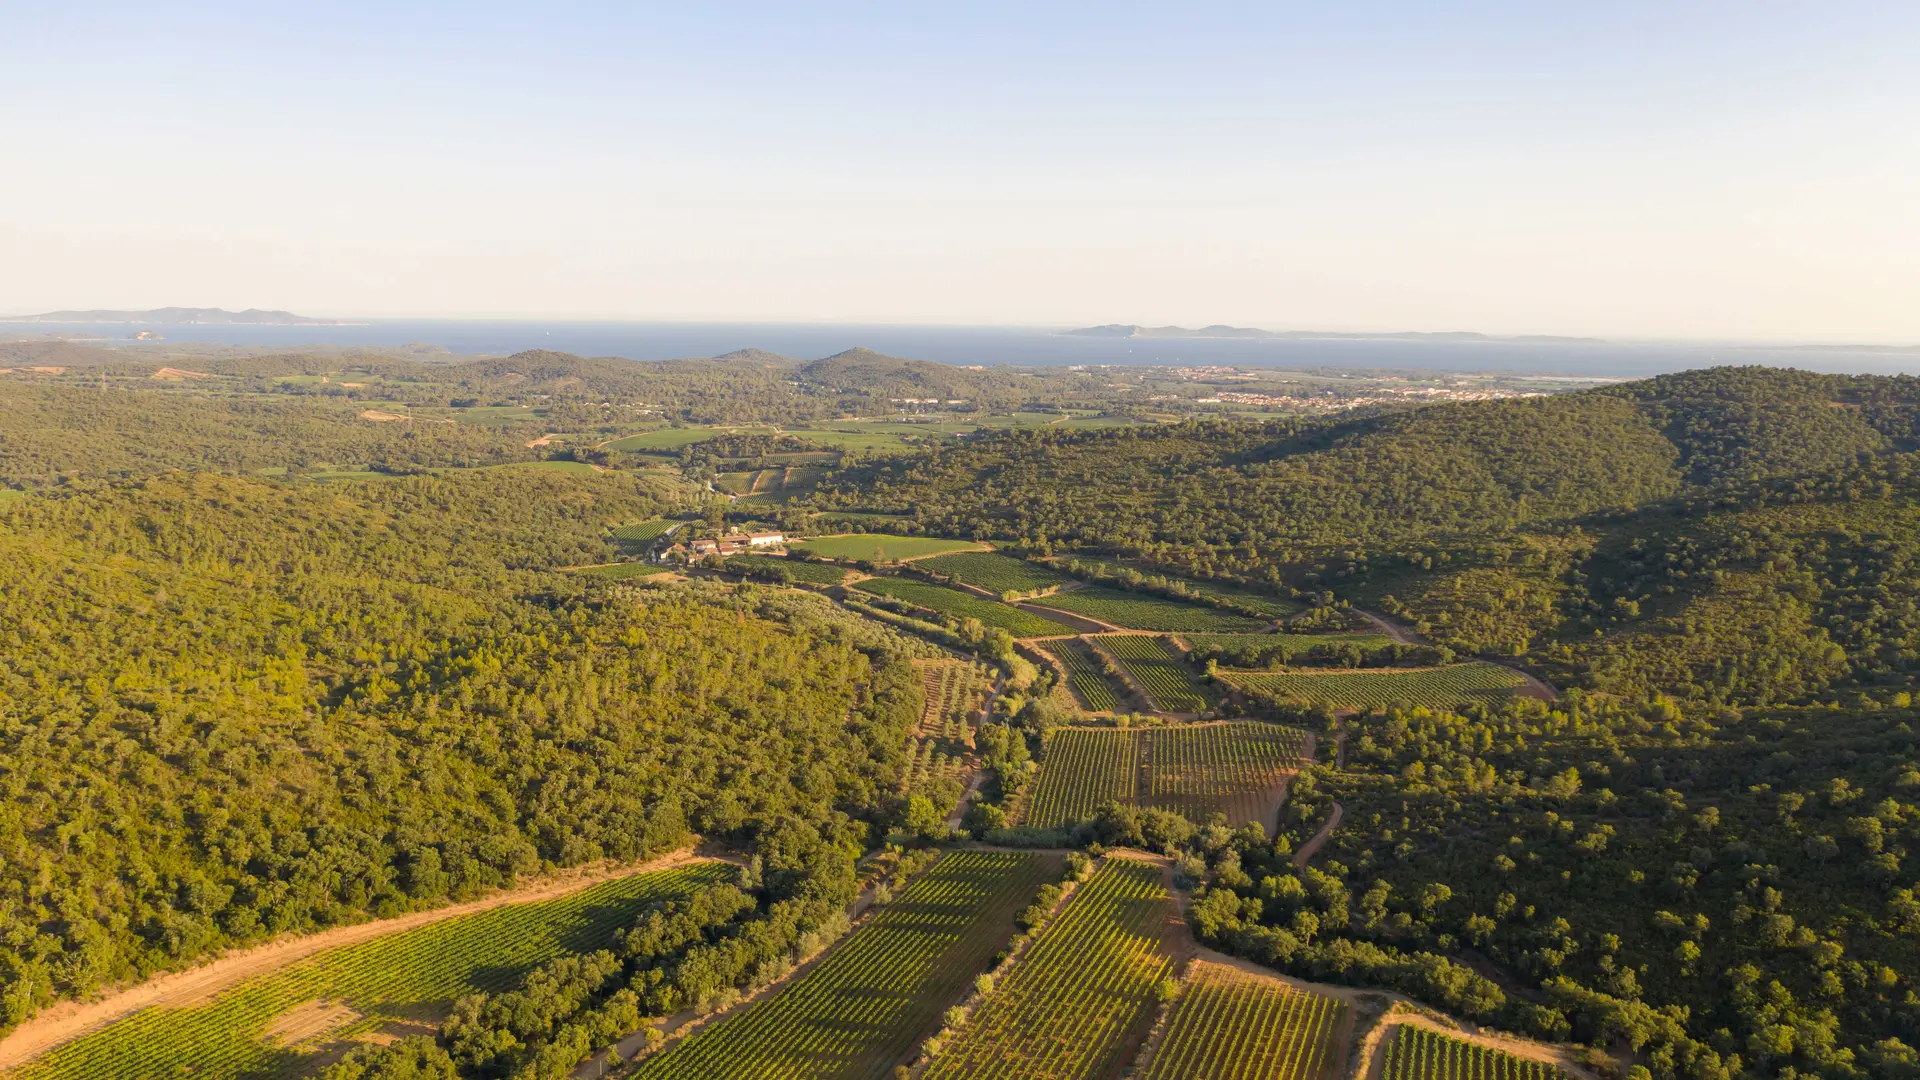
70	1020
1319	838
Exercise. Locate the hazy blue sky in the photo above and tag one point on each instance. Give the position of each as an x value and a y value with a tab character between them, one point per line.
1744	169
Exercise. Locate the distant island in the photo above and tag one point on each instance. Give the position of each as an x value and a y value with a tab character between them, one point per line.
179	316
1129	330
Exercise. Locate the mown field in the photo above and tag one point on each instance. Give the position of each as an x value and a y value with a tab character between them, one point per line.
871	1001
1233	768
1441	688
387	985
994	572
880	547
1230	1024
1169	680
962	605
1138	611
1070	1007
1087	675
1417	1053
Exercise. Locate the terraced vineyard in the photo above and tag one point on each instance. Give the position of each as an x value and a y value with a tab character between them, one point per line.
1418	1053
1168	679
963	605
1233	1025
871	1001
1139	611
1069	1008
882	547
388	983
1234	768
1441	688
1087	674
994	572
956	691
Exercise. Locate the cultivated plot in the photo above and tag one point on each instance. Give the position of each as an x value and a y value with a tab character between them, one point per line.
994	572
956	691
1159	669
873	999
1139	611
1087	675
1236	768
881	547
1440	688
1418	1053
963	605
1231	1024
1071	1006
277	1024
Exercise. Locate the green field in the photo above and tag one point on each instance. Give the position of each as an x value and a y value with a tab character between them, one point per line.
1234	768
881	547
962	605
1234	1025
872	1000
1070	1007
624	571
650	529
1440	688
1290	642
994	572
1168	679
11	493
666	438
798	569
1417	1053
386	985
1271	607
1087	675
1138	611
576	468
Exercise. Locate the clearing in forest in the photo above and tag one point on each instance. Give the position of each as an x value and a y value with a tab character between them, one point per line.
1237	768
1419	1053
1231	1024
1371	688
1139	611
964	605
1087	674
995	572
623	571
1075	1003
882	547
873	999
1160	670
394	984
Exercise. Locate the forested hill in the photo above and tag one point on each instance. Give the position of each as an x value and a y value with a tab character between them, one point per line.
1272	489
231	709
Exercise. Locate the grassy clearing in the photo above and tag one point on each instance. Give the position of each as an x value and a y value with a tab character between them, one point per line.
994	572
1070	1007
1232	769
881	547
871	1001
1138	611
1168	679
1234	1025
1441	688
962	605
11	493
624	571
389	984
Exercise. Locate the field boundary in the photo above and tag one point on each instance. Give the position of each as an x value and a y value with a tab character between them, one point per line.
67	1021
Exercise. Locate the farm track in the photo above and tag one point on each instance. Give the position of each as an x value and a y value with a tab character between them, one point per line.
1319	839
1538	687
70	1020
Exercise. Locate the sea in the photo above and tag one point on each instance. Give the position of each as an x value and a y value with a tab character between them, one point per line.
1017	346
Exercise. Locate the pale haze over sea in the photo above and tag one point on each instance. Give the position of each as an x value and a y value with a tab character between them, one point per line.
1019	346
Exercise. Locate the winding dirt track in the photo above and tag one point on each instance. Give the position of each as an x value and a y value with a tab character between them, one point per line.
69	1020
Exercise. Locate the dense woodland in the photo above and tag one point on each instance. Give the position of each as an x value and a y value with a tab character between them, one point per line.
234	705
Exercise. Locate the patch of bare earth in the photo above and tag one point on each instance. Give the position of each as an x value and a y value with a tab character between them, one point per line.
310	1020
182	989
379	417
541	441
178	373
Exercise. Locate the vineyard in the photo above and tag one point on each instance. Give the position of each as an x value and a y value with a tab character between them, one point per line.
871	1001
1233	1025
1138	611
1271	607
1087	674
1232	768
995	573
623	571
956	690
1069	1008
645	530
881	547
1293	643
1167	678
1418	1053
817	573
386	984
1440	688
962	605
